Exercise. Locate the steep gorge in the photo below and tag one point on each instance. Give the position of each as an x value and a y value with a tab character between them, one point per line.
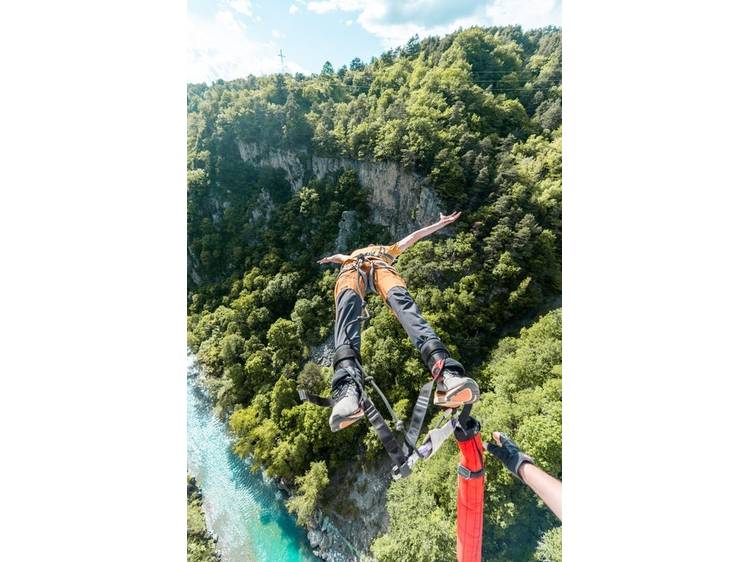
285	169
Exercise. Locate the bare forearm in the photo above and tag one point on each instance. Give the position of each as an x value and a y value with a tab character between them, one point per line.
336	258
547	487
417	235
414	237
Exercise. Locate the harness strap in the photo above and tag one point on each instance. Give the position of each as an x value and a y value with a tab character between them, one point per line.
344	352
436	357
465	416
418	414
398	453
437	364
398	422
314	399
467	430
368	277
431	346
392	447
464	472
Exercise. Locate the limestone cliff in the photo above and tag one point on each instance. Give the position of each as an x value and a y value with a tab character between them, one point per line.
400	200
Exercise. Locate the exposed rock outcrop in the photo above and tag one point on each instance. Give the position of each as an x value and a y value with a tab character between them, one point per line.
192	261
338	538
399	199
294	164
346	229
322	353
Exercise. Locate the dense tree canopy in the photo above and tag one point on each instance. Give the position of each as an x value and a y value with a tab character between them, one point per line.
477	113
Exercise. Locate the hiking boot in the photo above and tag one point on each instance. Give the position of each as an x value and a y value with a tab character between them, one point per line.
453	390
347	410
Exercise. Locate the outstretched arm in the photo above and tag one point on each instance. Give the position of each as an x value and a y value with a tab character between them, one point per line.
335	258
416	236
546	487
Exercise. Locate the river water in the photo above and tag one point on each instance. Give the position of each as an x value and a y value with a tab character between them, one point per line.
245	511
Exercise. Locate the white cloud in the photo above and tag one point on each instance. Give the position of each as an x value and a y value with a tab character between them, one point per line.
325	6
277	34
348	22
220	47
526	13
293	9
227	20
395	21
243	7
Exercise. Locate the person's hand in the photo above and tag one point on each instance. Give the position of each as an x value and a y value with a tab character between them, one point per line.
447	219
506	450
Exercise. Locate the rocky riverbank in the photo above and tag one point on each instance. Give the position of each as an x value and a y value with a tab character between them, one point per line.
201	544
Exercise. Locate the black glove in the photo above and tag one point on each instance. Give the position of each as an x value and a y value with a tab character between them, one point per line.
509	454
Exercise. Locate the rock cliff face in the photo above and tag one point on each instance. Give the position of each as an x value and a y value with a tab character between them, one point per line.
346	229
400	200
192	260
293	163
356	517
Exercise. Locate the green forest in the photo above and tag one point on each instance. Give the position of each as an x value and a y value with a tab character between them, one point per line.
478	113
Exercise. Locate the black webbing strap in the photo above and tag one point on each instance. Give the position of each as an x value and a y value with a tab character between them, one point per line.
385	435
467	474
465	415
314	399
344	351
418	414
467	428
386	403
429	347
393	448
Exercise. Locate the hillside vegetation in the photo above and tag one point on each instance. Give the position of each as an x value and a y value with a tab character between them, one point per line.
478	113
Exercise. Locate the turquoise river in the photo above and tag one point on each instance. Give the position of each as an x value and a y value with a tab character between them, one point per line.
243	509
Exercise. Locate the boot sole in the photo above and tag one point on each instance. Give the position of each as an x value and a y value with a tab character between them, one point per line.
466	395
349	420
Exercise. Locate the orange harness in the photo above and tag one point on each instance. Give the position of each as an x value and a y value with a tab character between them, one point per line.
369	273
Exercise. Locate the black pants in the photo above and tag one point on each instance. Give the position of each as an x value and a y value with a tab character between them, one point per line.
349	307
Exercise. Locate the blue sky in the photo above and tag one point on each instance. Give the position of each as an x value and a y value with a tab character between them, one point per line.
233	38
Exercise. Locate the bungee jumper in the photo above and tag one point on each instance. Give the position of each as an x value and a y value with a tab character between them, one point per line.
370	270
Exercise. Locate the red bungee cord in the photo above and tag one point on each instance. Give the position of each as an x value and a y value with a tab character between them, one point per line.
470	492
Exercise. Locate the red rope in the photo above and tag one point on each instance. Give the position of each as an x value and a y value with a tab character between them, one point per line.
470	502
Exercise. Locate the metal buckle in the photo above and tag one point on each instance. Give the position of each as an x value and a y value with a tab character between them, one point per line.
399	472
467	474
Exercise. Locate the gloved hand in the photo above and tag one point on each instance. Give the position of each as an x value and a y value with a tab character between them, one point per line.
508	453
